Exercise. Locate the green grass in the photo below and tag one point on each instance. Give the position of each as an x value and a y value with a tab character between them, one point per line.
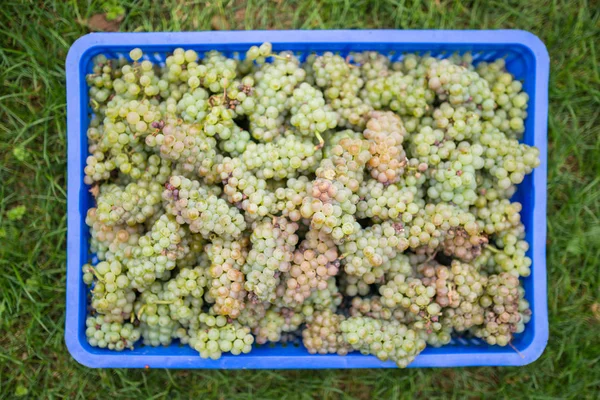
34	39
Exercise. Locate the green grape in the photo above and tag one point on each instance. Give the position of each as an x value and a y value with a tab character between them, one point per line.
275	323
407	94
216	336
309	114
227	285
370	249
510	98
373	307
243	189
273	242
111	294
341	83
289	198
156	253
283	158
275	83
185	144
351	285
372	64
205	213
113	336
387	340
218	72
383	203
328	298
131	205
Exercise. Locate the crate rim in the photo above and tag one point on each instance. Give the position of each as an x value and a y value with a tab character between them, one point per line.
505	37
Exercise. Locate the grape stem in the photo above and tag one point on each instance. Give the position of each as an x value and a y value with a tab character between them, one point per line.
321	141
350	65
515	349
491	248
431	257
93	270
278	57
163	302
139	314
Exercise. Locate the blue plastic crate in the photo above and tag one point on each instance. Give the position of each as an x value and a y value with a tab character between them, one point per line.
526	58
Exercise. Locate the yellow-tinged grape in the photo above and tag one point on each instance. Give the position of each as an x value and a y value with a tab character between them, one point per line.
322	334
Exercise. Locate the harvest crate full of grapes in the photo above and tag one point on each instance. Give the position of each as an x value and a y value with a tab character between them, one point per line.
334	199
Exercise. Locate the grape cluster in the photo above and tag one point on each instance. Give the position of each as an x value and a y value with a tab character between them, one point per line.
157	326
328	298
275	323
373	307
456	84
184	293
510	99
368	251
186	145
309	114
234	140
227	285
387	340
217	336
131	205
314	262
323	335
505	311
346	202
111	294
289	199
372	64
286	157
332	202
202	211
117	144
111	242
216	72
110	335
273	242
156	253
341	82
385	134
333	138
387	203
404	90
410	293
245	190
275	83
429	226
458	290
